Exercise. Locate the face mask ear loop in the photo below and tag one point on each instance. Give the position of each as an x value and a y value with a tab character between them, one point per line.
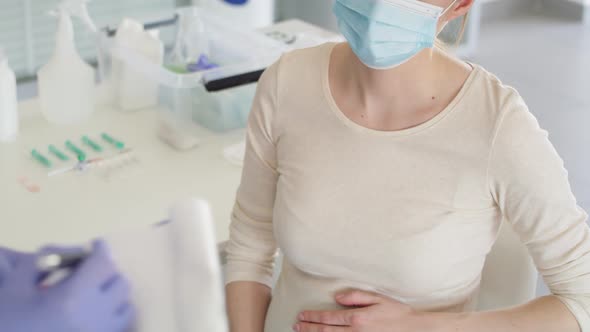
448	8
443	13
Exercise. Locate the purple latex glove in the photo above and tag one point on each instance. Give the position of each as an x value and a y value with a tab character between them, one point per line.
95	298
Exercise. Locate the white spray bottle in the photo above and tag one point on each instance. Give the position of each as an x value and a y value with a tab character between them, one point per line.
66	82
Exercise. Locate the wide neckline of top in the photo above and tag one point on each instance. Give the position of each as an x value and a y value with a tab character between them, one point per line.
327	90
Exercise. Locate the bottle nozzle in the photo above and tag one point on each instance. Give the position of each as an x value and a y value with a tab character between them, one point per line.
78	8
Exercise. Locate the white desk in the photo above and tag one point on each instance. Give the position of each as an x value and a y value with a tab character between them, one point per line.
79	206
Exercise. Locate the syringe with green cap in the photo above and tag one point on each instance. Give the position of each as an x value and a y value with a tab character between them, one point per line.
116	143
92	144
56	152
41	158
79	153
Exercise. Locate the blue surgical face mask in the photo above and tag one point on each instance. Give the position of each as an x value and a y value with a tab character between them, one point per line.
386	33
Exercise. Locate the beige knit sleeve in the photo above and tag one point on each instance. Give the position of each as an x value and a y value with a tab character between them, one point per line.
530	184
252	247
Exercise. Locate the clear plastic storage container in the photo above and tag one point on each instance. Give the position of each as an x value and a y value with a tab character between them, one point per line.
183	97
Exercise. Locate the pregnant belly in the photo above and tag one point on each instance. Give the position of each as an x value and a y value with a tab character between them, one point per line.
297	291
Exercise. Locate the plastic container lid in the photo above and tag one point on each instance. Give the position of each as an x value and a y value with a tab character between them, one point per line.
249	51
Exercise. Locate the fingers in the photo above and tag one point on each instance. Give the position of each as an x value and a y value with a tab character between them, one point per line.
17	268
5	268
25	268
60	250
11	256
110	283
311	327
358	298
51	250
96	270
329	320
8	260
336	318
117	289
15	260
125	316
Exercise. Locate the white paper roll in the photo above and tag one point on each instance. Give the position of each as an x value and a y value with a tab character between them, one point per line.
174	270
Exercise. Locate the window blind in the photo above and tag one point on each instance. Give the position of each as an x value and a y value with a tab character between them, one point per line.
27	32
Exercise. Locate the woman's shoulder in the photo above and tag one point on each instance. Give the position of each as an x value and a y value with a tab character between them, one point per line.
297	74
503	105
301	64
291	80
293	67
491	87
494	97
307	57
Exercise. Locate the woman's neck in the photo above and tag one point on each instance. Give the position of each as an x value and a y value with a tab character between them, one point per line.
397	98
417	81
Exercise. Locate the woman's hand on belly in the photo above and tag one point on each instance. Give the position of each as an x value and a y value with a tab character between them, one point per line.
368	312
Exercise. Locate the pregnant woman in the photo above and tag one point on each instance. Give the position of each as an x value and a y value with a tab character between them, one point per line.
383	168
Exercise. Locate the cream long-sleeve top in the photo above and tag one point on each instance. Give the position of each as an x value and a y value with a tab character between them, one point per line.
410	214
